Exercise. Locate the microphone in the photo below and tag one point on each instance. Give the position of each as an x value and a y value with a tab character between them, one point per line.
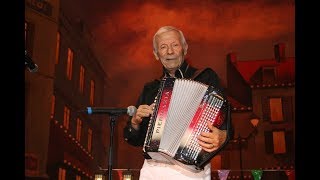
131	110
32	67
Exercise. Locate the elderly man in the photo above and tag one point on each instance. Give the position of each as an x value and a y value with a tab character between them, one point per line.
170	48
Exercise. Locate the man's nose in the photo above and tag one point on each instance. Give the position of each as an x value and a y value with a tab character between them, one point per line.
170	50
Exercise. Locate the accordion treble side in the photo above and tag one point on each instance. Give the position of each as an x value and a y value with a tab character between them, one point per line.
182	110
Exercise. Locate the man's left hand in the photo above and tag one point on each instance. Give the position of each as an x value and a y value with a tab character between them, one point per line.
212	140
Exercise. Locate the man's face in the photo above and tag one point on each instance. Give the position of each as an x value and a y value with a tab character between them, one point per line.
170	50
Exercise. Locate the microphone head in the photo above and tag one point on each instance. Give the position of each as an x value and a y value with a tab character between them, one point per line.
131	110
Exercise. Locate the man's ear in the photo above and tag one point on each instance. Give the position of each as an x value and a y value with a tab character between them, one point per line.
185	49
156	55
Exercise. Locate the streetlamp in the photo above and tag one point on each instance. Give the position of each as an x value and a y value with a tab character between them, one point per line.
127	175
254	121
99	176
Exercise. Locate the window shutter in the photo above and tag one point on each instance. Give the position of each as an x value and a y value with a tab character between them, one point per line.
268	138
289	141
287	108
265	108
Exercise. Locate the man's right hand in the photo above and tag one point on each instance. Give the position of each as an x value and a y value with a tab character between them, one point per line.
142	111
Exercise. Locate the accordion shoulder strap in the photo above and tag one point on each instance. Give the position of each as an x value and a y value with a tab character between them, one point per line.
197	73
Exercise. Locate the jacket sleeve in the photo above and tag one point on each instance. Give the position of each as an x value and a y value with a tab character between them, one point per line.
132	136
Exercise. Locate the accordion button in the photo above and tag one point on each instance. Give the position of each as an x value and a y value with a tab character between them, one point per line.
126	139
130	129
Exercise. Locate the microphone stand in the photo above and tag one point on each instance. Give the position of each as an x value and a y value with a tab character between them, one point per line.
113	117
113	114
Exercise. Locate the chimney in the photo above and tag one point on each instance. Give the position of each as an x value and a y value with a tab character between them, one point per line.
232	57
279	52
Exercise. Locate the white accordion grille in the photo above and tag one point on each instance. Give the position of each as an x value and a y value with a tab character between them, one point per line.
185	100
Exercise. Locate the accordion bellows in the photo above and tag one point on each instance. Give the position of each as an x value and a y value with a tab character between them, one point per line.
182	110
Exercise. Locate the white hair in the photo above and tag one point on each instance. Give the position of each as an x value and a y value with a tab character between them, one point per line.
167	29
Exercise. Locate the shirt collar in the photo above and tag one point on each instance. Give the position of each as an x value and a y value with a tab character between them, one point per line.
180	73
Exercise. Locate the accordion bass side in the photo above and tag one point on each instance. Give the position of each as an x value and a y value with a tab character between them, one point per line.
182	109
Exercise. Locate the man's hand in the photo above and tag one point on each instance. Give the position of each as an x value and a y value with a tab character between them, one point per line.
143	111
212	140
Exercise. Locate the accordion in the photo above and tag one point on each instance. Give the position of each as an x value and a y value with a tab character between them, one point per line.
182	110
